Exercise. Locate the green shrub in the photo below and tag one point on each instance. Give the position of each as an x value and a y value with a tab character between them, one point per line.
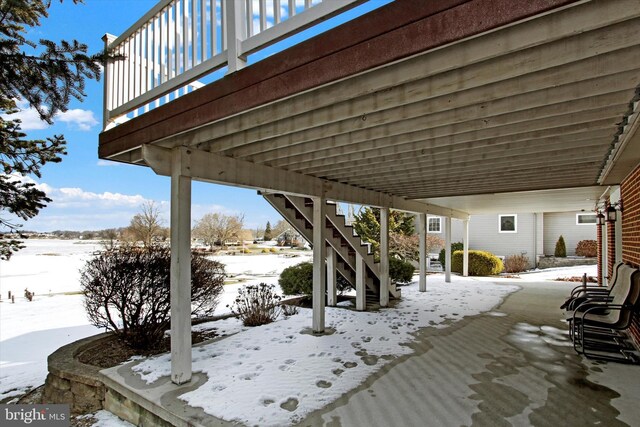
481	263
400	271
588	248
457	246
264	251
273	250
516	263
297	279
561	248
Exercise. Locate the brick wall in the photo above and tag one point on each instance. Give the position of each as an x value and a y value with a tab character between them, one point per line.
599	240
630	194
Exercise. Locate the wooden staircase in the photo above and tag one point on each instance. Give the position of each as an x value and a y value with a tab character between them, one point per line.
298	211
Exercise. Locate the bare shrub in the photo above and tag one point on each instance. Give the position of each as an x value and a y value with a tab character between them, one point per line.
587	248
256	305
290	310
516	263
127	291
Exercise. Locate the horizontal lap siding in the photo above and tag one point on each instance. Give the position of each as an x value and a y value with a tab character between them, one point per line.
484	236
564	223
630	192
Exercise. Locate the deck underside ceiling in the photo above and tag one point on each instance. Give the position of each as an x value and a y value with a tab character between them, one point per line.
546	103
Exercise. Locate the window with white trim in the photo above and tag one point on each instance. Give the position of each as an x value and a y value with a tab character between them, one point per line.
508	223
434	224
586	219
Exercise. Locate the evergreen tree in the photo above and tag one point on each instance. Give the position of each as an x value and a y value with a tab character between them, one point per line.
267	232
46	75
561	248
367	226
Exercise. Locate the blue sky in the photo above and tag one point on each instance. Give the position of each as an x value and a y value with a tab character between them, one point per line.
89	193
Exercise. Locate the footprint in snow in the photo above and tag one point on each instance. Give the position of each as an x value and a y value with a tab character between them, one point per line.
291	404
323	384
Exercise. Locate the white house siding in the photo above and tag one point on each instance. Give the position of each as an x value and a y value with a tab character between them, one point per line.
484	235
564	223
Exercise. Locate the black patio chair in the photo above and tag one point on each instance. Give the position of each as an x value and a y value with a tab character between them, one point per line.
581	293
599	329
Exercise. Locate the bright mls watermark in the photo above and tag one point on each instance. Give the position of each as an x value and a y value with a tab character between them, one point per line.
34	415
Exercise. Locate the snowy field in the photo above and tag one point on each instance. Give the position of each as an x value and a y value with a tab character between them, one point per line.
330	366
30	331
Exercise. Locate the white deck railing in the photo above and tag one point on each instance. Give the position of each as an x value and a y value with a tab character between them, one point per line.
179	42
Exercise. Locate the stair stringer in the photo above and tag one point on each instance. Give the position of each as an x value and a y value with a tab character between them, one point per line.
279	204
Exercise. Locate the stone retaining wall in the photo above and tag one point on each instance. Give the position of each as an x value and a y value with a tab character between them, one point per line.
72	382
553	262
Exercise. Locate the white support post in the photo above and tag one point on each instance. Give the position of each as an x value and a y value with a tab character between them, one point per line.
422	235
180	268
107	99
465	248
617	230
447	249
235	33
332	298
384	257
361	290
319	269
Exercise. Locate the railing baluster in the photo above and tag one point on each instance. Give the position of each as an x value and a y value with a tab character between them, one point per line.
179	41
263	15
203	31
170	35
276	12
249	17
185	35
213	26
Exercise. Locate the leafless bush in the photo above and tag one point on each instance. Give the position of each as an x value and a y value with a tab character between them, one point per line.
127	291
256	305
290	310
588	248
516	263
28	295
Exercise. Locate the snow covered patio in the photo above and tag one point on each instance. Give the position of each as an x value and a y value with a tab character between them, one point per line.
474	351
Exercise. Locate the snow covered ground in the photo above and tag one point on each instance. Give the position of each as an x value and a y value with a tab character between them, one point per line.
276	374
30	331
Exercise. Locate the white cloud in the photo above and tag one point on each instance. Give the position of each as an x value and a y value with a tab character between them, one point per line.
78	118
29	117
77	197
106	163
75	118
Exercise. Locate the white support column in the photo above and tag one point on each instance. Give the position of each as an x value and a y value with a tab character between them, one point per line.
617	250
465	253
319	269
235	32
422	259
447	249
180	281
539	238
107	98
332	299
361	290
384	257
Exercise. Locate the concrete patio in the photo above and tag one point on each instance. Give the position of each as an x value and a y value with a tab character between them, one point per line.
513	365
